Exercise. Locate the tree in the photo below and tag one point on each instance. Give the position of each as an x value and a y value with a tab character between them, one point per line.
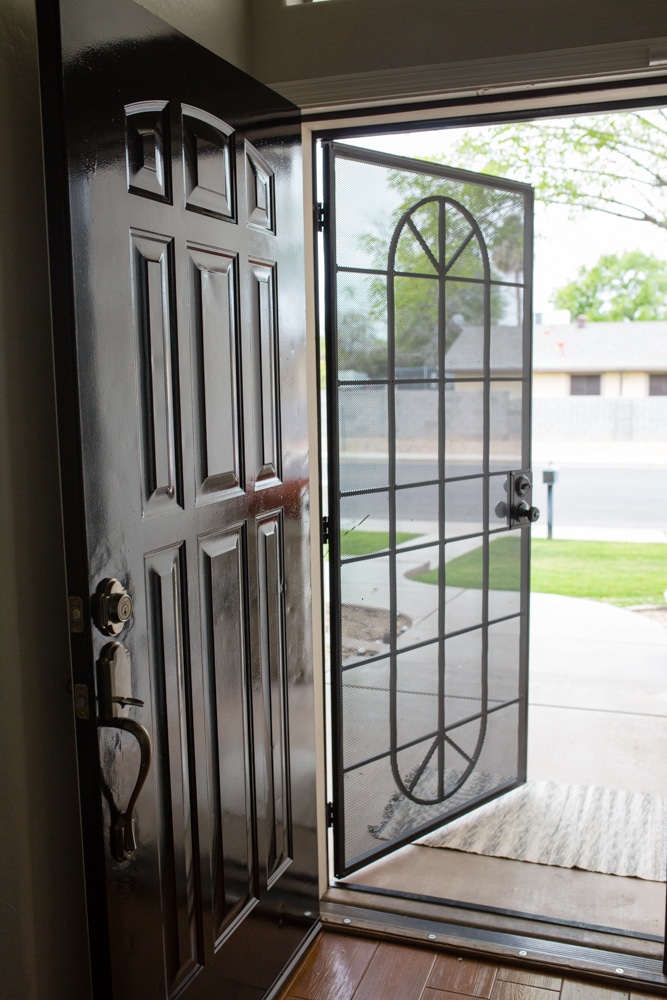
434	236
361	345
614	163
632	286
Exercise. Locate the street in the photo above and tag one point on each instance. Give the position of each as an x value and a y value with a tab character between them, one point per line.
606	497
596	496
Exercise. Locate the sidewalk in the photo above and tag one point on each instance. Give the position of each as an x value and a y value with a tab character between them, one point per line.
597	695
598	674
366	583
601	534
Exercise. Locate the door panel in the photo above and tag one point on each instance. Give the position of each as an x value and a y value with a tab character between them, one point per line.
227	670
175	209
428	409
216	346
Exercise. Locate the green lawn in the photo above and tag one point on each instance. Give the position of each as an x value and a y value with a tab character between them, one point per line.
361	543
616	572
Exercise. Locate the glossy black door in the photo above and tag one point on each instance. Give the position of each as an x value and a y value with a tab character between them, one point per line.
176	215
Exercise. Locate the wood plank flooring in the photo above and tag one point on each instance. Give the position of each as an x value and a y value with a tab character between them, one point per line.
344	967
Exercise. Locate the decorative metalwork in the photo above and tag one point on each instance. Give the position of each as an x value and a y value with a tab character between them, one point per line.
428	357
427	224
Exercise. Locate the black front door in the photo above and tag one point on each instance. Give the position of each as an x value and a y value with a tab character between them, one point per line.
175	211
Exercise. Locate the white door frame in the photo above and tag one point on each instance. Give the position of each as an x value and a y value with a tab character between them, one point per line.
606	97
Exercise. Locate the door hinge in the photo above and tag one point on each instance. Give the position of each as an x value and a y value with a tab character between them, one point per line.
75	605
81	702
320	216
325	530
330	814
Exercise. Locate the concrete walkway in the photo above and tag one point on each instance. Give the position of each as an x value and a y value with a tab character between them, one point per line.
598	695
598	674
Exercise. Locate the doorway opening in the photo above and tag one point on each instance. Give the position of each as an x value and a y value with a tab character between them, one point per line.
595	714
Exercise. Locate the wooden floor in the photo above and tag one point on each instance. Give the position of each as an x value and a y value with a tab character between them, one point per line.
343	967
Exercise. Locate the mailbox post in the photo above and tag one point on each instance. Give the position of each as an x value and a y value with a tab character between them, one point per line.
549	477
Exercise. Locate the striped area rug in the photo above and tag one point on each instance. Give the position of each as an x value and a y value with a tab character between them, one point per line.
570	826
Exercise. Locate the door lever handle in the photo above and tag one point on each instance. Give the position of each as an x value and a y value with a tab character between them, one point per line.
114	670
136	702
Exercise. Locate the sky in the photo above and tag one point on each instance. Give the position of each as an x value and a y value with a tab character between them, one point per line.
562	244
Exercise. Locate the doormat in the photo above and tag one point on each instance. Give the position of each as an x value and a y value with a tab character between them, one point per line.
569	826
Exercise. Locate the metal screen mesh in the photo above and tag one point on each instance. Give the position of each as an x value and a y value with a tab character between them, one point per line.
427	379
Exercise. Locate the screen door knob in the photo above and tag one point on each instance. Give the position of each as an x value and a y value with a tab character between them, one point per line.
112	607
524	513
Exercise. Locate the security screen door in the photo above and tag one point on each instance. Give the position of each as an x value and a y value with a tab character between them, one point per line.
428	412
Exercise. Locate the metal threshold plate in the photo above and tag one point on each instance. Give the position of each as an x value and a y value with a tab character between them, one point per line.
613	966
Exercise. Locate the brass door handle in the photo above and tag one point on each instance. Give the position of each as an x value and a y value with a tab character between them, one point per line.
114	672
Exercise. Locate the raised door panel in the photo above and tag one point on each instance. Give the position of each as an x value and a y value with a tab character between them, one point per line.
170	670
225	630
277	819
153	291
264	328
148	149
208	164
215	331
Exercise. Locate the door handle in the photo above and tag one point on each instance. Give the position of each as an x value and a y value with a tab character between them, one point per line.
114	674
122	842
523	513
519	513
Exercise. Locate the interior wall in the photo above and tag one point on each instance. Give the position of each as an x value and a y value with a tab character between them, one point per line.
220	25
43	941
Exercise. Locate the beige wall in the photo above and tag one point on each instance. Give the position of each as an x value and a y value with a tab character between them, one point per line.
362	51
552	385
611	383
221	25
634	384
351	52
43	950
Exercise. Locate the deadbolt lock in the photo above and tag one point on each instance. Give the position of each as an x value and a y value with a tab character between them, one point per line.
522	485
112	607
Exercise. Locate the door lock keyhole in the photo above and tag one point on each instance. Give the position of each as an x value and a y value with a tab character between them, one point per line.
112	607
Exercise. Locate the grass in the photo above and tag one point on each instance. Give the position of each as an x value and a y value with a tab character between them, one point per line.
619	573
360	543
